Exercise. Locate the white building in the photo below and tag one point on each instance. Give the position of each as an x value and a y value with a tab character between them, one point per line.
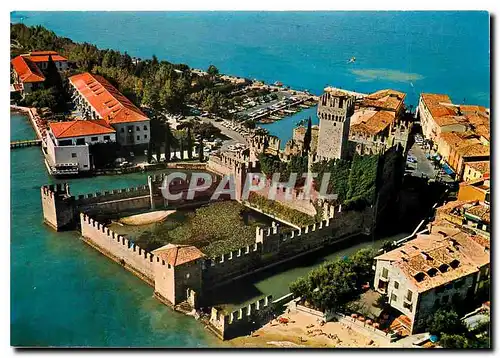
68	144
27	69
432	271
96	98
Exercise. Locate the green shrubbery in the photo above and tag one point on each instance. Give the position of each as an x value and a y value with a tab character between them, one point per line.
354	182
275	208
215	229
446	324
335	283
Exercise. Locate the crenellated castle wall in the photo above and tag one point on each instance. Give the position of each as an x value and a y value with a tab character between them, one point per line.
243	320
273	247
118	248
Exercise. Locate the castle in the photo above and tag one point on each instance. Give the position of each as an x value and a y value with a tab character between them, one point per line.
181	275
362	123
335	109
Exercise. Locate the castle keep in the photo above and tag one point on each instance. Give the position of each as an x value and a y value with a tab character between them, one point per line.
335	109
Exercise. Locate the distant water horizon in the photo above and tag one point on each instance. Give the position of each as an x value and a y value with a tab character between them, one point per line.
414	52
63	292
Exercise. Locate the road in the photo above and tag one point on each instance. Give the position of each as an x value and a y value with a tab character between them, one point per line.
234	136
424	166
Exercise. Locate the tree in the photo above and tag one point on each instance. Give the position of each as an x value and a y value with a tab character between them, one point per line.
53	81
205	129
445	320
212	71
200	150
168	142
41	98
103	154
308	136
189	144
454	341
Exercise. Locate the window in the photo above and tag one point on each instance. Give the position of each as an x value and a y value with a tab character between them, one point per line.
94	139
138	137
73	155
122	130
145	136
145	128
394	298
85	166
385	272
408	306
459	283
396	285
409	295
107	137
80	141
137	128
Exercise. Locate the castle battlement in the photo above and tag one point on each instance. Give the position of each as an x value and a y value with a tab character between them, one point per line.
116	238
58	190
233	256
228	324
105	194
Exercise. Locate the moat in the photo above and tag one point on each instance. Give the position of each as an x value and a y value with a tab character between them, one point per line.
59	282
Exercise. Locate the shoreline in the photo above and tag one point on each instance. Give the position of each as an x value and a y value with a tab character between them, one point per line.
304	331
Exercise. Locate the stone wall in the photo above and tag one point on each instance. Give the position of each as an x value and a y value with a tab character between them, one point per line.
273	247
241	321
222	269
118	248
58	206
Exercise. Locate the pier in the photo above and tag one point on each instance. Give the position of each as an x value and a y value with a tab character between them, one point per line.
25	143
285	108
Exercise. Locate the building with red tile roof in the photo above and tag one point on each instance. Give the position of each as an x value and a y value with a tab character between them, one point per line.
377	123
26	74
78	128
439	115
98	99
28	68
179	266
445	266
68	144
176	255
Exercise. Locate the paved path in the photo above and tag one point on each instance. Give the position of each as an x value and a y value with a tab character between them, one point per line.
424	165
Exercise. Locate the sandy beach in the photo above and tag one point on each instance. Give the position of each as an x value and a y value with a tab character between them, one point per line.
304	331
146	218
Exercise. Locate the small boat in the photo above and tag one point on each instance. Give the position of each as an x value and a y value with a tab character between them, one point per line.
352	60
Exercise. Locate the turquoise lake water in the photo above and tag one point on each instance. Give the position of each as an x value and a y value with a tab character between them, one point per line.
64	293
443	52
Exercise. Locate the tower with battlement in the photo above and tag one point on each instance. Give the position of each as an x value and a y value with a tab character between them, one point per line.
58	206
335	109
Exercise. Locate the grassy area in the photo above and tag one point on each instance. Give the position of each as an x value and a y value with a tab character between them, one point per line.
215	229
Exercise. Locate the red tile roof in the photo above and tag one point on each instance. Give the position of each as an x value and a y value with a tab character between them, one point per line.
177	255
374	124
387	99
43	56
107	101
27	71
437	104
72	129
421	259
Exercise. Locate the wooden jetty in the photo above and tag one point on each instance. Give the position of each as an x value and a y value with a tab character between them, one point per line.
25	143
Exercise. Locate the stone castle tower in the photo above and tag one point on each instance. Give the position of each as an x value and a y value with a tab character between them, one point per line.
335	109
